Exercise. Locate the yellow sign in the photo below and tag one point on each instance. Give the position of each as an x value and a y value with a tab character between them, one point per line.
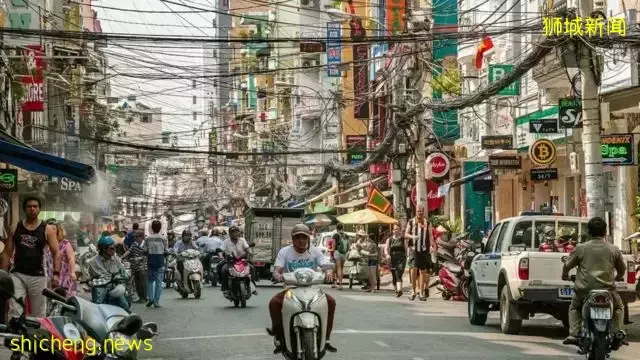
543	152
557	26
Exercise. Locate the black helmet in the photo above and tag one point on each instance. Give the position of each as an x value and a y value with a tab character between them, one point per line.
233	228
186	232
6	285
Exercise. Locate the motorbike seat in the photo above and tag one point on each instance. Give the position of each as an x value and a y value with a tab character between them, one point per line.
454	268
446	245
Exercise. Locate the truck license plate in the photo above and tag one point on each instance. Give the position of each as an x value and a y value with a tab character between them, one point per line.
566	292
600	313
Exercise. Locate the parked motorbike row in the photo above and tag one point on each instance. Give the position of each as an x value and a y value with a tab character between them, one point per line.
454	258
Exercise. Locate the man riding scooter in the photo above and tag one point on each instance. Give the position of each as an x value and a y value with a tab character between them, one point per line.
596	261
105	266
185	244
238	248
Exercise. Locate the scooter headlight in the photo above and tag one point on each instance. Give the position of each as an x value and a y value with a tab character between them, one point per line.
304	278
119	344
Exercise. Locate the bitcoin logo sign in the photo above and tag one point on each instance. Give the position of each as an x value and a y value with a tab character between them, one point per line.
543	152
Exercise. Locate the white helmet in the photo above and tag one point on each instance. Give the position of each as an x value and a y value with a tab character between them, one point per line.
118	291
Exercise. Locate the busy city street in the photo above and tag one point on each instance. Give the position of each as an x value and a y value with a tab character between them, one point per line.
367	326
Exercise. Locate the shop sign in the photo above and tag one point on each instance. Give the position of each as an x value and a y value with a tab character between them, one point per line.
543	152
361	81
497	72
334	49
497	142
356	147
543	126
67	184
434	200
570	113
8	180
541	174
437	165
504	162
617	149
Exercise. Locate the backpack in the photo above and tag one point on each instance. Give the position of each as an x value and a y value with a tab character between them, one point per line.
341	247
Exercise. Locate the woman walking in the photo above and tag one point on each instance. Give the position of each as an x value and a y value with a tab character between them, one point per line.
68	270
370	250
395	251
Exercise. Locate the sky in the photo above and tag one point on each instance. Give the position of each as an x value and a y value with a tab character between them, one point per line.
156	58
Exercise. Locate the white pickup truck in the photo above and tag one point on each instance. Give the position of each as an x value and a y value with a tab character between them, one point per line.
512	276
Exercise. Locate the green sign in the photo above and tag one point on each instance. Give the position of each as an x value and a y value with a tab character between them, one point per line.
617	149
8	180
570	113
497	72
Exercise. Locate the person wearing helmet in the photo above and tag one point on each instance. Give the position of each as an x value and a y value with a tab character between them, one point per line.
298	256
185	244
26	245
236	247
600	265
106	265
210	246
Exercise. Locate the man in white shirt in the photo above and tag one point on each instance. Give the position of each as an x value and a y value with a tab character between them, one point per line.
238	248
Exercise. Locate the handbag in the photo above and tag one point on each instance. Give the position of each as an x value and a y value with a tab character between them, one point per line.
353	255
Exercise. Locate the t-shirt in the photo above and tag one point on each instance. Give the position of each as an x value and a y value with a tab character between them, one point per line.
289	259
238	249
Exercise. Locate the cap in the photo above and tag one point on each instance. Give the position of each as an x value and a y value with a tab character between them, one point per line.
300	229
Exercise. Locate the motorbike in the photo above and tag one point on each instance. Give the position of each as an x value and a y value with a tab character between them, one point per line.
596	340
239	281
190	281
82	262
304	316
212	272
453	277
116	284
170	271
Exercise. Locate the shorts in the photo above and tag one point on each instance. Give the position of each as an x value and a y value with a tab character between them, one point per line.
411	262
423	261
338	256
373	262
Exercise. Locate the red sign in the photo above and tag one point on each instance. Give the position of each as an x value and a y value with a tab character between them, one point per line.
34	88
433	200
379	168
437	165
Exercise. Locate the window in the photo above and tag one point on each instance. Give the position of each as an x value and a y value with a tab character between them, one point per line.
215	83
146	118
193	83
492	239
165	137
195	116
572	230
523	234
503	234
194	100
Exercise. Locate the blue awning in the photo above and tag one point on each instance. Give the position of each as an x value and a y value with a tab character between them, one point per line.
42	163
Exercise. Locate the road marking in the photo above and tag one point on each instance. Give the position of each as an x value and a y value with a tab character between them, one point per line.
418	358
221	336
381	344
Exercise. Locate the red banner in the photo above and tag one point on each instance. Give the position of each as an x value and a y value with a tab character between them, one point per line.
396	12
433	200
33	81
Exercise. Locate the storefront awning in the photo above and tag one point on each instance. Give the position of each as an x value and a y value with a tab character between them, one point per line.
444	188
41	163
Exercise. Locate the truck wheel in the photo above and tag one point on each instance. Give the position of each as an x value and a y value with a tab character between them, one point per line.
474	305
508	324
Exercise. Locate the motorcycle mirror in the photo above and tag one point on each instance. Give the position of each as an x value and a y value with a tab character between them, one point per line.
252	245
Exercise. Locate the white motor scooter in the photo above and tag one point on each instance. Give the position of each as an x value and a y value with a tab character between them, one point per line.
304	315
190	281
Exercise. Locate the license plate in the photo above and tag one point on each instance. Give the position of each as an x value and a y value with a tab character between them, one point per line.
258	263
600	313
566	292
271	268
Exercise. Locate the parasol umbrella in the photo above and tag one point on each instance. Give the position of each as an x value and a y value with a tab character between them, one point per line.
366	216
319	220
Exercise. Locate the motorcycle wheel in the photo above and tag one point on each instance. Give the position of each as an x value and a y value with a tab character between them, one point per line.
214	281
307	341
243	296
599	347
465	288
236	302
446	295
197	288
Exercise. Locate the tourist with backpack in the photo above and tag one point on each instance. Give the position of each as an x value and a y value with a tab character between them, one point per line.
340	254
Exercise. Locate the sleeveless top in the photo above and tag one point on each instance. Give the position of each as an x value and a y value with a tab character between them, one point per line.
29	249
396	247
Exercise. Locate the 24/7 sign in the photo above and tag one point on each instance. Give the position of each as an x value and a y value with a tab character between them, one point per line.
570	113
497	72
617	149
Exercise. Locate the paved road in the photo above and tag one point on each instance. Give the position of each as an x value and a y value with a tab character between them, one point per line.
367	326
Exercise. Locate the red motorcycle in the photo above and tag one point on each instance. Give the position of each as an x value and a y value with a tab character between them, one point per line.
453	276
239	282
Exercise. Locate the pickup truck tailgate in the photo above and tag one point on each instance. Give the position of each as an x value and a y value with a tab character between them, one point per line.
545	269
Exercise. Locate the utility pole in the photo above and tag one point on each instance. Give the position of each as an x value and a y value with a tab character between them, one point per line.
400	163
591	125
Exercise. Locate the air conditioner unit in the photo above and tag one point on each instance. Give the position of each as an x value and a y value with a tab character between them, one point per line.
310	62
307	3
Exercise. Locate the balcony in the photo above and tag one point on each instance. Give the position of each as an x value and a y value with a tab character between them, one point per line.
310	175
310	108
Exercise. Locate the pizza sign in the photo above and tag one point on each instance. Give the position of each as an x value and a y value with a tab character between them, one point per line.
437	165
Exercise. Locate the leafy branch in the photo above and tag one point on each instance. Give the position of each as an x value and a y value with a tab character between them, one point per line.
448	82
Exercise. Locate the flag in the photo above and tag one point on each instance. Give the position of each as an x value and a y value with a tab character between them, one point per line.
377	201
484	46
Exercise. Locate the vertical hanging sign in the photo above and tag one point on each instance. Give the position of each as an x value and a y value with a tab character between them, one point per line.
334	50
33	84
396	10
361	81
